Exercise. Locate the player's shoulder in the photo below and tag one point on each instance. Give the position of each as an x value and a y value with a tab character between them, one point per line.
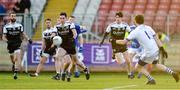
45	31
112	24
6	25
69	23
124	23
149	27
18	24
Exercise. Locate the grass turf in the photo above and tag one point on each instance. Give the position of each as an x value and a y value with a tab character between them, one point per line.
103	81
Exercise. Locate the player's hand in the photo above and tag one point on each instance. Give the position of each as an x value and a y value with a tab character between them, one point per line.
163	52
80	49
30	41
100	43
112	40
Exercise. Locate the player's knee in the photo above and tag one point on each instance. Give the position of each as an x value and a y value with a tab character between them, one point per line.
42	61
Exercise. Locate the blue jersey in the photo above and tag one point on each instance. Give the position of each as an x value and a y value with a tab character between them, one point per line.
134	43
79	31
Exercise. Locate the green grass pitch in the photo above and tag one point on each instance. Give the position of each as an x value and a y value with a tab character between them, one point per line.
100	81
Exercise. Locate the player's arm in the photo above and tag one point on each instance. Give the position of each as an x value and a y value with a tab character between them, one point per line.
4	37
4	34
24	35
74	33
105	35
72	27
81	41
52	36
130	37
43	44
160	45
122	42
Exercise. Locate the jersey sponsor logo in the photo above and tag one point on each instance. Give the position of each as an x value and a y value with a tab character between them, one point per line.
13	32
63	30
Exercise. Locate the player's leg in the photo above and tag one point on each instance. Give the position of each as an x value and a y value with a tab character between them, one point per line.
75	61
12	60
119	58
43	59
140	68
11	54
17	59
66	65
167	69
76	71
129	65
59	62
132	53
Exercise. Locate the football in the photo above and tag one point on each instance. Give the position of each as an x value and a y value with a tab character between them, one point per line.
57	40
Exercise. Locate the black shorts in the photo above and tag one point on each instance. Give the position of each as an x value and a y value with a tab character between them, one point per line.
142	63
50	51
69	47
12	46
118	48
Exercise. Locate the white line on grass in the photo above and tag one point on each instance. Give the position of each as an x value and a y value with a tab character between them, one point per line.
120	87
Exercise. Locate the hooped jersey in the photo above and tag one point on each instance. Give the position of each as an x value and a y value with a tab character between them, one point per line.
65	31
13	31
47	36
118	31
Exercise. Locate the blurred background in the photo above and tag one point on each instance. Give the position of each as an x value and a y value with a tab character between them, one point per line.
95	15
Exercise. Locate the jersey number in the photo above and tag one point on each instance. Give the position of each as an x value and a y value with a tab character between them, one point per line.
147	35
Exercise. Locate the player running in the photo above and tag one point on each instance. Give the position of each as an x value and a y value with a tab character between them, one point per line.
151	47
13	33
46	47
68	33
118	30
79	45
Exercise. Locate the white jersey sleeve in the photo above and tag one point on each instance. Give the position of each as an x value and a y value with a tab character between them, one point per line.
22	30
72	26
108	29
152	31
132	35
4	30
43	34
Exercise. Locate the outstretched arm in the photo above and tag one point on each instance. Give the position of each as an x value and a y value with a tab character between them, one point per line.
122	42
105	35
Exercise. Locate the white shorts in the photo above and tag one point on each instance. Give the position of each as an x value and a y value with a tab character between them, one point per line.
16	51
45	54
149	58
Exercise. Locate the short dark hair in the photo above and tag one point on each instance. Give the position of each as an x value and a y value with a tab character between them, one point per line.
63	14
11	12
48	19
120	14
139	19
72	16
